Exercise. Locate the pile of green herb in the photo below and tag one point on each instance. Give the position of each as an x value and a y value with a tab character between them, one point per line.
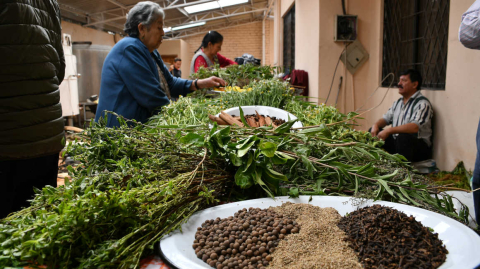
133	186
236	75
136	184
139	182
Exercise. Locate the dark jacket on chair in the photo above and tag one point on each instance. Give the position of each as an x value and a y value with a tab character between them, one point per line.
32	66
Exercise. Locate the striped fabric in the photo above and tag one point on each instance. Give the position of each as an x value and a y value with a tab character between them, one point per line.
469	33
417	110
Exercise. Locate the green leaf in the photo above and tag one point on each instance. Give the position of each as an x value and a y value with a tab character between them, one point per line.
285	127
242	117
279	158
272	174
235	160
70	170
308	164
245	145
387	176
244	150
268	148
192	138
293	193
387	188
405	193
259	181
320	129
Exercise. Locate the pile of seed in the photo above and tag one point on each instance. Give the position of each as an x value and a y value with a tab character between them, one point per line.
384	237
244	240
320	243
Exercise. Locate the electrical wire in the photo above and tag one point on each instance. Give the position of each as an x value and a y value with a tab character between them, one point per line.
338	92
334	73
385	95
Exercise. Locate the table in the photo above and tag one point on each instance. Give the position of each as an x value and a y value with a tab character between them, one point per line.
82	107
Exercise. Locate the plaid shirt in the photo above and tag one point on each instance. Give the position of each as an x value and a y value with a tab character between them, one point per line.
416	110
469	33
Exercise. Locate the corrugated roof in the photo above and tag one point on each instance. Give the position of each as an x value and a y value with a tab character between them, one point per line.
110	14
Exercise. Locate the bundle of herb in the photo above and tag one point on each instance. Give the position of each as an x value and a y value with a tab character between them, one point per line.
237	75
133	186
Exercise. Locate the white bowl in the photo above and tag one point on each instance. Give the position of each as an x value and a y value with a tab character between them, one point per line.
266	111
461	242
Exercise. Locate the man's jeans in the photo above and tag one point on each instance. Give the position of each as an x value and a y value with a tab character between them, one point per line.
476	179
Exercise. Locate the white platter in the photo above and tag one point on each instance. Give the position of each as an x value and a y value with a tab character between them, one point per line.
462	243
264	110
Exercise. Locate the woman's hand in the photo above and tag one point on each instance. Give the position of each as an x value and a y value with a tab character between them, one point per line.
210	82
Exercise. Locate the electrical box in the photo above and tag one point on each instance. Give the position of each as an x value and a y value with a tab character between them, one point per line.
355	56
346	28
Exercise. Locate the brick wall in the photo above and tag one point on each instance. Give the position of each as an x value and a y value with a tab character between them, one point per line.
237	41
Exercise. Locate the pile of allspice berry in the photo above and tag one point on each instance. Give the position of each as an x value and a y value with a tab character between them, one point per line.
244	240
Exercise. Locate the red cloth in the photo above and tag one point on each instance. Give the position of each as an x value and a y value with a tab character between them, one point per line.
300	78
222	60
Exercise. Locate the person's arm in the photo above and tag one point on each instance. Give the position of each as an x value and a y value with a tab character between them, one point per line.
210	82
377	126
469	33
139	80
224	61
423	114
199	62
179	86
409	128
58	43
387	119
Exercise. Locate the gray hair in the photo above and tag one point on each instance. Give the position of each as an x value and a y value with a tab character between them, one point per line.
143	12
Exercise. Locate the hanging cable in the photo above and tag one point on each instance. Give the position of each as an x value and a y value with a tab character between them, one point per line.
338	92
385	95
333	78
343	7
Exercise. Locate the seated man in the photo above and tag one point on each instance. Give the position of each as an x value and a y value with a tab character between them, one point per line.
411	120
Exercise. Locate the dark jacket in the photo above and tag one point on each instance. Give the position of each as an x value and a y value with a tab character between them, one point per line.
32	66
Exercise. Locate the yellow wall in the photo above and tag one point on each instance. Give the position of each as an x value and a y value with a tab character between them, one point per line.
456	108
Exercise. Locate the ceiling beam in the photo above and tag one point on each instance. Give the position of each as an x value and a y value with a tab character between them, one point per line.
203	30
88	16
165	5
214	15
117	4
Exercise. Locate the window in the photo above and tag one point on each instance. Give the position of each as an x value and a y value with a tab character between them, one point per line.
289	39
415	35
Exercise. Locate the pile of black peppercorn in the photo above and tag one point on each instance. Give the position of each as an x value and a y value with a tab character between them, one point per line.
244	240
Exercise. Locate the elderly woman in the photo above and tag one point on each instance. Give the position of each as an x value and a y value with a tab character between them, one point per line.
135	81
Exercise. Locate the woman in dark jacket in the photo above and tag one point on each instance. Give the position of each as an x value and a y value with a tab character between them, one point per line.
32	66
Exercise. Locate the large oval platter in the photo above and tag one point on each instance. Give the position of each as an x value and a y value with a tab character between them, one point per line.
461	242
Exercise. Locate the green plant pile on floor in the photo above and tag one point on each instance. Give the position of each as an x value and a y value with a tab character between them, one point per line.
459	177
236	75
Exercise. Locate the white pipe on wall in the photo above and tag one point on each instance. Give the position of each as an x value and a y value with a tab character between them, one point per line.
263	39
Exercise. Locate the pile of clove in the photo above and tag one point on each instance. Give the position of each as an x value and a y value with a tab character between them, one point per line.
254	120
384	237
